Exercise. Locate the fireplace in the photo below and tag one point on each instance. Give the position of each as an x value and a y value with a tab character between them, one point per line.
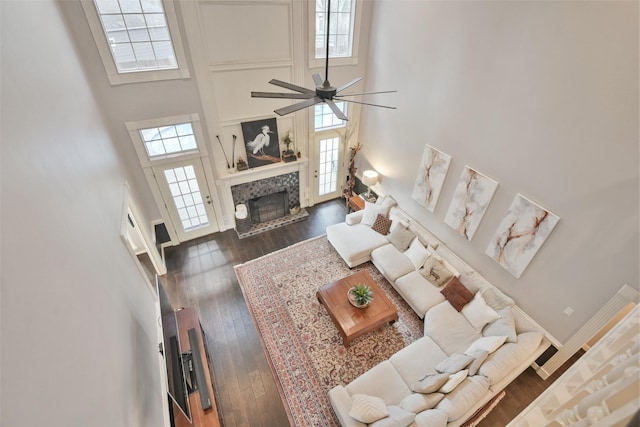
270	206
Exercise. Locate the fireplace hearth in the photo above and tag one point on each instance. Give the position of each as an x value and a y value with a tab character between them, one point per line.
269	207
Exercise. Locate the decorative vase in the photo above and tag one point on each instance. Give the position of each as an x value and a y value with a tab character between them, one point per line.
352	300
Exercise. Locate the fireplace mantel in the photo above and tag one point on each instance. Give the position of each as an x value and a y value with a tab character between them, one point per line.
262	172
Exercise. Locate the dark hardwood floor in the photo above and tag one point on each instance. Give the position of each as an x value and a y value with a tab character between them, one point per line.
201	274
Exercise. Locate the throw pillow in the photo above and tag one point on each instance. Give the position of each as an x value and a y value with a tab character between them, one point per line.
488	344
505	325
454	363
457	294
497	299
371	212
430	383
417	253
398	417
435	271
386	201
478	313
478	359
401	237
367	409
382	224
418	402
454	381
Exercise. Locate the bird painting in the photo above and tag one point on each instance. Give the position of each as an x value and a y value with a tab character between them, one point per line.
261	142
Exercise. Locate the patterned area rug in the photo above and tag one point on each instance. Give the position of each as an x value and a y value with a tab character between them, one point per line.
302	344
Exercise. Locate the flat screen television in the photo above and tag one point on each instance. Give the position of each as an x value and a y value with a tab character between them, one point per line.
178	363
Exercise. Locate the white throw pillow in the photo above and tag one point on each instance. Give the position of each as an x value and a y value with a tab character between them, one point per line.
478	312
367	409
505	325
398	417
488	344
418	402
454	381
417	253
371	212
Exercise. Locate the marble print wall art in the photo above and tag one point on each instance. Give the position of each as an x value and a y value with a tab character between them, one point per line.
470	201
431	174
520	234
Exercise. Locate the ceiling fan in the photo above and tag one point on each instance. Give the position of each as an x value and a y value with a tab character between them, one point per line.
323	92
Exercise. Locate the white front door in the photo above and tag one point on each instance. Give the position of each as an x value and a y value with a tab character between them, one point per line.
185	192
327	176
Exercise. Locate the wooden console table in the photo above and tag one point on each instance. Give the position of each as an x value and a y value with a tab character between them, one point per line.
187	319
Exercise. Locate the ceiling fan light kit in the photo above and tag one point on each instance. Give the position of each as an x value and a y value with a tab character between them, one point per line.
323	92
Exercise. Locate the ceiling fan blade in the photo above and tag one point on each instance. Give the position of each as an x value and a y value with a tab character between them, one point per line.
337	111
299	106
282	95
351	83
367	103
292	86
317	79
366	93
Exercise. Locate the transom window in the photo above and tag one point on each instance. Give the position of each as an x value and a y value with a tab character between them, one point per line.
166	140
325	119
340	28
137	33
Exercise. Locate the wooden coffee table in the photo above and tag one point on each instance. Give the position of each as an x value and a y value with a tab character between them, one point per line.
353	322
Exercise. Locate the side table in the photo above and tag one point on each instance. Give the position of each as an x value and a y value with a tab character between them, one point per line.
355	203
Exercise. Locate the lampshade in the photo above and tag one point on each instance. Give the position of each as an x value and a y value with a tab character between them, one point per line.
369	178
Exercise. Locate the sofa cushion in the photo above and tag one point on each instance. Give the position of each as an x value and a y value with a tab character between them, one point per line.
430	383
418	292
371	212
431	418
467	394
391	262
417	253
398	417
382	225
479	313
418	402
435	271
509	356
367	409
505	325
395	388
401	236
417	359
454	381
457	294
454	363
449	329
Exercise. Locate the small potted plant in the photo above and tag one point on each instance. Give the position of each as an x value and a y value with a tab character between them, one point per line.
360	295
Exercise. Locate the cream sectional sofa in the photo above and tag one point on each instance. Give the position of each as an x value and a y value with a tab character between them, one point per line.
490	332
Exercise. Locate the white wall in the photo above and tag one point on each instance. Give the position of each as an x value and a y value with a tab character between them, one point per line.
540	96
78	341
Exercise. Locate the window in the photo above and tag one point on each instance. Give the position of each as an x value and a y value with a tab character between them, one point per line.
166	140
325	119
137	33
138	40
343	32
340	28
